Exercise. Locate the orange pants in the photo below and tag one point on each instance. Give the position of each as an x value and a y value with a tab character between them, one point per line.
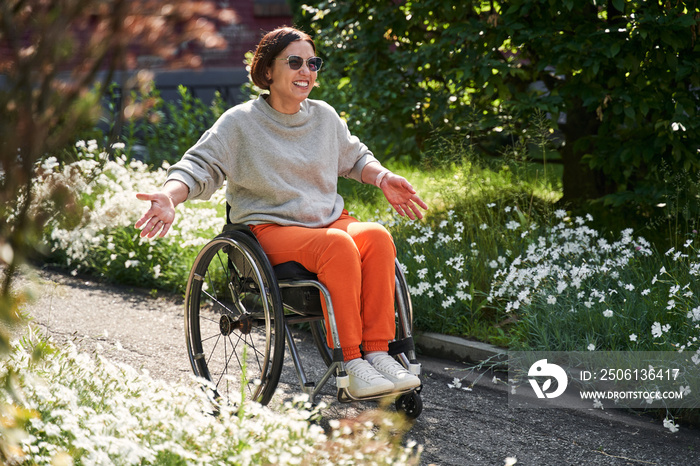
355	261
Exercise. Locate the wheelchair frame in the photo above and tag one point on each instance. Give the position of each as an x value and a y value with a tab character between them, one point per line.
238	310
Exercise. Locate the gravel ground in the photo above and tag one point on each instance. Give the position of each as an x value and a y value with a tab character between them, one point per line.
457	427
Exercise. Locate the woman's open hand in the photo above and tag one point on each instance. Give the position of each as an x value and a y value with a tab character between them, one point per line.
402	196
159	217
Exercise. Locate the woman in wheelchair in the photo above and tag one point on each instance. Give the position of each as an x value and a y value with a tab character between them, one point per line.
281	155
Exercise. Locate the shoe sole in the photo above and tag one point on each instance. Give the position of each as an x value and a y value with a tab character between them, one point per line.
372	391
400	385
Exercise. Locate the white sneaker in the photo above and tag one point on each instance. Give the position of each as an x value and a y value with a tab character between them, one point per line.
365	380
391	369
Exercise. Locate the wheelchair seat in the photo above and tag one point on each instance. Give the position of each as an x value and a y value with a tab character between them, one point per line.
293	270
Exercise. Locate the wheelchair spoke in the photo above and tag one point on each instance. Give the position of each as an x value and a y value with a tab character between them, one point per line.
216	343
217	302
224	371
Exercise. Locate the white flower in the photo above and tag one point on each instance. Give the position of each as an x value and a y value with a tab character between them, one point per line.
551	299
484	226
591	347
656	330
512	225
694	314
607	313
646	292
560	213
675	126
633	337
670	425
448	302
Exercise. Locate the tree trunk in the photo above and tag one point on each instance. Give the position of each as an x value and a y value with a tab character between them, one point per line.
581	183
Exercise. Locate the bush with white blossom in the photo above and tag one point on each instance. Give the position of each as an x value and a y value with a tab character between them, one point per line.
101	239
83	409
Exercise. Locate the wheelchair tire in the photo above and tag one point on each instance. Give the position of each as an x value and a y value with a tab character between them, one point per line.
410	404
402	307
234	318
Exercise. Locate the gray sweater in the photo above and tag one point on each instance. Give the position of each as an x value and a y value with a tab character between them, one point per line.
279	168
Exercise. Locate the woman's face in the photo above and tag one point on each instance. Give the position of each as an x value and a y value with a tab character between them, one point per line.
290	87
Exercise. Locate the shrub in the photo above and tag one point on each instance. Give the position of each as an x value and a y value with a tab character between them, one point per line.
100	237
76	407
163	130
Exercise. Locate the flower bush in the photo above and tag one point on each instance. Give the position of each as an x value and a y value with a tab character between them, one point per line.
100	238
87	410
573	289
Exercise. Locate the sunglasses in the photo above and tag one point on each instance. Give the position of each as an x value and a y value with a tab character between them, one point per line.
295	62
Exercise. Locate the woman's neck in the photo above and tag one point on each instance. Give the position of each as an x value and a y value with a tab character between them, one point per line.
288	108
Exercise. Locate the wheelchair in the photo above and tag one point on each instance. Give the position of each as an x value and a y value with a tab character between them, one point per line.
238	314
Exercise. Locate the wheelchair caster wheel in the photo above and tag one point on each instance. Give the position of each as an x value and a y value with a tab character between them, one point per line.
410	404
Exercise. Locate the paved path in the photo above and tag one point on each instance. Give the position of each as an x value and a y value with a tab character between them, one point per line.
456	428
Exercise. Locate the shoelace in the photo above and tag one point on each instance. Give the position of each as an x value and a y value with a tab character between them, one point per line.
386	363
363	370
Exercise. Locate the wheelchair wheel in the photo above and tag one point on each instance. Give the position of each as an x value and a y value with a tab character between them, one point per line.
233	319
402	308
411	404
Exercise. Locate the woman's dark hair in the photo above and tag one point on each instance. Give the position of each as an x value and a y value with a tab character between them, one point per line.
269	47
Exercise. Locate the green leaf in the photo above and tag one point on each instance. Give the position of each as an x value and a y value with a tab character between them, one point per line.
614	49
